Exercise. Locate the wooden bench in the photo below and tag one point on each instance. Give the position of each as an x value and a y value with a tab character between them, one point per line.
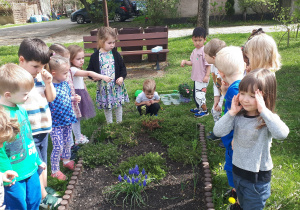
132	40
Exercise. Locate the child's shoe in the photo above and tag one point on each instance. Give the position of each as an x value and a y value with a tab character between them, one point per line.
221	145
51	191
70	165
201	114
195	110
212	137
75	148
85	139
59	175
50	202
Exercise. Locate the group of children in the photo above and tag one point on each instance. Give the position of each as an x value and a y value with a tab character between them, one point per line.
244	95
35	102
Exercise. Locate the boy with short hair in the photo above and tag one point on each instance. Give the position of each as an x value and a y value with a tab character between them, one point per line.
33	55
211	49
19	155
148	100
230	64
200	72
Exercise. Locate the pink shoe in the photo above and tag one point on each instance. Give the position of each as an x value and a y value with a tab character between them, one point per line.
59	175
70	165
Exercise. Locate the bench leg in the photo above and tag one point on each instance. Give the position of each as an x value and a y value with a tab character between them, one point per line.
157	62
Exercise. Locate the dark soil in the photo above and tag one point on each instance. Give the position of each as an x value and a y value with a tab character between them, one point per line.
175	191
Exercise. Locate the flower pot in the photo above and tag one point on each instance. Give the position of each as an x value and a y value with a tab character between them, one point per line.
184	99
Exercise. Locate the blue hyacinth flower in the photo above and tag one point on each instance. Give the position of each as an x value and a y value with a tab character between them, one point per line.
120	178
130	171
125	177
128	180
136	169
136	180
132	180
146	177
143	172
144	183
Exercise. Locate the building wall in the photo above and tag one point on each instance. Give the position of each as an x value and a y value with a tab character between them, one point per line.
45	7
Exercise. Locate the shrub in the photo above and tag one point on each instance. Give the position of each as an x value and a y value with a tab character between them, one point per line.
229	7
153	163
99	154
185	90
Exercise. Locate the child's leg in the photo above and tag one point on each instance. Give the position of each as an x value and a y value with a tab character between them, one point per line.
119	113
200	91
108	115
76	130
252	195
194	96
57	142
67	132
24	194
153	109
216	115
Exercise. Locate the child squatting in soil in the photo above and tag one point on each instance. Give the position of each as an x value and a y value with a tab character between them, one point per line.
254	123
148	100
111	92
21	154
200	72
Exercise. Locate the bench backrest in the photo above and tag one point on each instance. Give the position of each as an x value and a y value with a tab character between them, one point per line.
130	40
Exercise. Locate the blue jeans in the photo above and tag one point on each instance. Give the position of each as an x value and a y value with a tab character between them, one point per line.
24	194
41	144
252	196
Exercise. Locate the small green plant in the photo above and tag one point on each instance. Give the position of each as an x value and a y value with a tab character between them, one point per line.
99	154
131	186
150	122
151	162
185	90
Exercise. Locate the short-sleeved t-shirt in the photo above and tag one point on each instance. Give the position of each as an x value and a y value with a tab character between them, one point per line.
199	64
142	97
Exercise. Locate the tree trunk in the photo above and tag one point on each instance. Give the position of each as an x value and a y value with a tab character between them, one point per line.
203	15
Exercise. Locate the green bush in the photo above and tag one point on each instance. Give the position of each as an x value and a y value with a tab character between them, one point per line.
229	7
99	154
153	163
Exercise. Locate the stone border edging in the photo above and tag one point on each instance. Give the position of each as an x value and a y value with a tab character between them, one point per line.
207	173
71	188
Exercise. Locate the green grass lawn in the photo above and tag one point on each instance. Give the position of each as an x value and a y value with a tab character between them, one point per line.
179	127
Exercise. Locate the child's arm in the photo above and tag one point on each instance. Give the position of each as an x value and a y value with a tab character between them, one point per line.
206	77
50	91
9	175
94	75
147	103
276	126
185	62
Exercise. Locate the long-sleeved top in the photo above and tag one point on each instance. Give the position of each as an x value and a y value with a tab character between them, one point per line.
251	147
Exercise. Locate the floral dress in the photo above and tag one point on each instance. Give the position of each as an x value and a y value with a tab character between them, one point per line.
109	94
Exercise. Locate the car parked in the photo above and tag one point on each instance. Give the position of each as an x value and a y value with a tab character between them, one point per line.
122	12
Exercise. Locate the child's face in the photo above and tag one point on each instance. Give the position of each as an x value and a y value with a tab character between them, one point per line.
109	44
149	95
248	101
78	61
61	74
18	97
198	41
33	67
210	60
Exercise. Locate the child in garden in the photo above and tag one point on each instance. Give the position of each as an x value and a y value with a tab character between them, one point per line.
19	155
33	55
230	64
200	72
86	104
62	117
148	100
254	123
211	49
262	52
9	128
108	62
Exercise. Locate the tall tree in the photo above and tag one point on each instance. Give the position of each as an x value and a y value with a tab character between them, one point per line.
203	14
94	8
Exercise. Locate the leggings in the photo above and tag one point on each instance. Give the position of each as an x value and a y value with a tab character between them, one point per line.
61	141
199	95
109	117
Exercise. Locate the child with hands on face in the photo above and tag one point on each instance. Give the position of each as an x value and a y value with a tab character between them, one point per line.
254	123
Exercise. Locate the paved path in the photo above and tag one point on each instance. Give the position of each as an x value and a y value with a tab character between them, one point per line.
47	30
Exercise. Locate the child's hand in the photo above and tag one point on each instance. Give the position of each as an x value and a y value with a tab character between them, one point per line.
217	107
148	103
235	106
119	81
43	165
77	98
102	77
9	175
205	79
182	63
46	76
260	100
